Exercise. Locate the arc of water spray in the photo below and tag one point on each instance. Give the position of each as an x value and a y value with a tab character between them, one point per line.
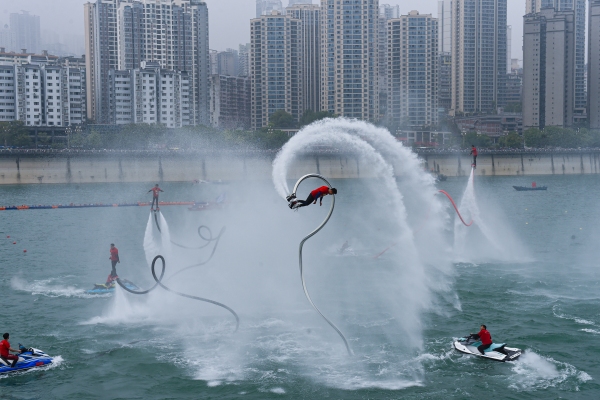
300	254
158	282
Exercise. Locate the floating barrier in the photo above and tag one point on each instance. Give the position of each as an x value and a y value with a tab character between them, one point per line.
92	205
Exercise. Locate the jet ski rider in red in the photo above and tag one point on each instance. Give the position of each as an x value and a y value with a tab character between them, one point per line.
315	195
485	337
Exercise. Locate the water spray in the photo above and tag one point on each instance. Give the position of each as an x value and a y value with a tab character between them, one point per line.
455	208
300	253
158	282
209	238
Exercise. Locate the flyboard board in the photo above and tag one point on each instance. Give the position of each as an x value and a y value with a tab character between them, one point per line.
103	288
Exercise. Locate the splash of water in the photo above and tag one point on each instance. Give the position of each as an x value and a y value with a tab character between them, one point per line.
156	242
404	211
488	238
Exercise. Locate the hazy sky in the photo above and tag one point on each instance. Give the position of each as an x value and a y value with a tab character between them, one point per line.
229	19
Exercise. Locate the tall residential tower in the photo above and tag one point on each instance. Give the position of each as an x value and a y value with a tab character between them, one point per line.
412	70
349	58
275	67
309	15
120	34
478	55
548	68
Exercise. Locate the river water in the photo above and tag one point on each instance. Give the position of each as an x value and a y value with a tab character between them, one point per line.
529	272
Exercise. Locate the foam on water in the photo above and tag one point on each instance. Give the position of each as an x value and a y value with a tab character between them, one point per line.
56	363
578	320
535	372
47	287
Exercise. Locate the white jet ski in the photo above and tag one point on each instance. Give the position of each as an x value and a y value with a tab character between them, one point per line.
497	351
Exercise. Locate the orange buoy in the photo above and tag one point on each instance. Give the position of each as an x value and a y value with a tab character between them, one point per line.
24	250
14	242
7	236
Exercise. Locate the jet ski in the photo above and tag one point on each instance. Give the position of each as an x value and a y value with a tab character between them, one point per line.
103	288
28	358
497	351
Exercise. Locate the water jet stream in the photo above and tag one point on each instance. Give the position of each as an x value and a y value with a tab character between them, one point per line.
300	253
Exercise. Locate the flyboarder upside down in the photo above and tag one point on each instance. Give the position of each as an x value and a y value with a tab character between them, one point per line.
314	195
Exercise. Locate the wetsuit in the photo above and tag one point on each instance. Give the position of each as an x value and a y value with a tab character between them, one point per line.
474	152
5	354
314	196
114	259
486	340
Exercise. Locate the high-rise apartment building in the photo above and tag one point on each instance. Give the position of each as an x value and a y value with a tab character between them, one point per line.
349	58
121	34
445	57
101	54
548	68
244	55
230	102
478	55
266	7
508	47
42	95
25	30
150	95
445	26
578	7
309	15
444	88
412	70
227	62
533	6
386	12
593	63
275	67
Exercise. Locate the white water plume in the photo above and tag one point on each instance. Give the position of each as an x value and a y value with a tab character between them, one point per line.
396	208
488	239
156	242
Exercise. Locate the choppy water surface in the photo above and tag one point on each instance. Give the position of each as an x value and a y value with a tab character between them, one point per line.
529	271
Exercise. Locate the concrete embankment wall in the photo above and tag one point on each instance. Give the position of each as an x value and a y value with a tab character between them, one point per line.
515	163
124	167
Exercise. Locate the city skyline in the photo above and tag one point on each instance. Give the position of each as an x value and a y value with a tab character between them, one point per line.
68	18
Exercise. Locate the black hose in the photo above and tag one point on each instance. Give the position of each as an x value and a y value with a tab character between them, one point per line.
208	239
211	253
159	283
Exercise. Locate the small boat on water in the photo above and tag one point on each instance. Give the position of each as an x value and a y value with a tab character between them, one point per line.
533	186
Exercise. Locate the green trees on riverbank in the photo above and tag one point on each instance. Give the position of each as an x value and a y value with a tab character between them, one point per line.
550	137
567	138
146	137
